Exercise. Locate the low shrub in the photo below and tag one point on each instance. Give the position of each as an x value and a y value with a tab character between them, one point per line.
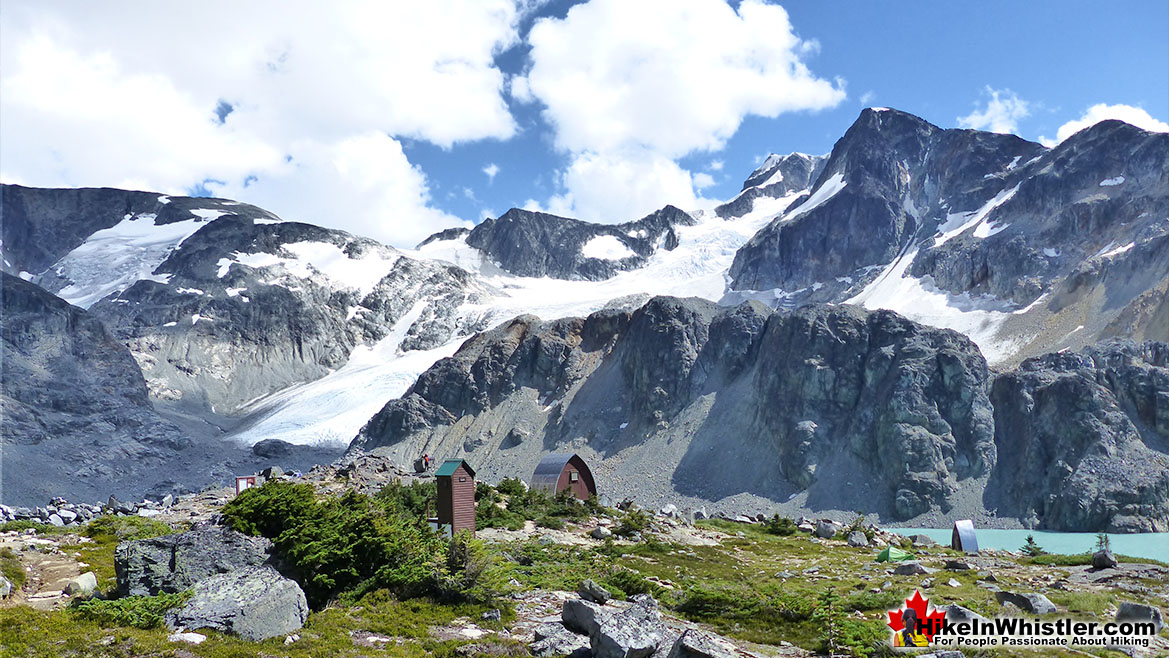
511	487
144	612
634	520
780	525
114	529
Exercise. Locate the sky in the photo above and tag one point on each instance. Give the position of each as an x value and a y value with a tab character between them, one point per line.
396	119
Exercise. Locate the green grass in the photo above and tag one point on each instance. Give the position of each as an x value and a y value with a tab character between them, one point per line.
12	568
32	633
143	612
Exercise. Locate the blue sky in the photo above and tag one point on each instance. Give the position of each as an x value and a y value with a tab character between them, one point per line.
386	118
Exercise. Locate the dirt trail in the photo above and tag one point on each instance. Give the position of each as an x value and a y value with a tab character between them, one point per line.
49	567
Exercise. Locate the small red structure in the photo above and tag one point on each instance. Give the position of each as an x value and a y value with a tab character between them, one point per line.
244	482
456	497
563	470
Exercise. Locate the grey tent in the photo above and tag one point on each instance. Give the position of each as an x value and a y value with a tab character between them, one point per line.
963	538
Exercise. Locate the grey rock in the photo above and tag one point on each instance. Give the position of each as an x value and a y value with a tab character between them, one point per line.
1104	559
554	639
67	516
825	529
923	540
272	472
83	585
254	603
529	243
635	632
696	644
956	614
589	590
493	614
601	532
1036	603
56	520
957	565
857	539
5	588
1139	612
578	615
273	449
777	177
173	563
1093	415
912	569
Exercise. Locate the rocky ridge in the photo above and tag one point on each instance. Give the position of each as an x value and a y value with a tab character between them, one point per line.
902	413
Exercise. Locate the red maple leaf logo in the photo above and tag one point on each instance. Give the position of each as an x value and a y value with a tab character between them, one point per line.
929	618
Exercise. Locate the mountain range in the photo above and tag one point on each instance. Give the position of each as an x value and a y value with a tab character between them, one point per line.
924	324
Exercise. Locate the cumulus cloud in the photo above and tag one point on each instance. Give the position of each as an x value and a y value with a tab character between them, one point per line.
1002	113
661	79
138	97
491	170
1101	112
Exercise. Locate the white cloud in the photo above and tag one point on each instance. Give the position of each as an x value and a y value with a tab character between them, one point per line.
868	97
715	165
1101	112
91	95
337	185
661	79
1002	113
613	189
702	180
491	170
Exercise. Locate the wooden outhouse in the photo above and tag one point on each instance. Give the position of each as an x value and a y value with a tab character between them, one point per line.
564	470
456	496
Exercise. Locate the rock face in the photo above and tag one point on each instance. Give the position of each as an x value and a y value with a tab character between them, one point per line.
529	243
74	403
778	176
255	603
696	644
222	302
863	388
635	632
1034	603
1074	235
1082	439
689	386
174	563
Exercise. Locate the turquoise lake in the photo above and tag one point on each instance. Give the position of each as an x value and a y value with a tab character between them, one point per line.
1153	545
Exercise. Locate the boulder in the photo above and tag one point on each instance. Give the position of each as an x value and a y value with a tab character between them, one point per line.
56	520
1104	559
635	632
1035	603
255	603
589	590
578	616
696	644
173	563
825	529
5	588
83	585
957	614
922	540
957	565
601	533
68	516
272	472
554	639
912	569
273	449
1129	611
857	539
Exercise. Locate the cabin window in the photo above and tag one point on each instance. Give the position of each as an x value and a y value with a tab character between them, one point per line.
462	479
573	476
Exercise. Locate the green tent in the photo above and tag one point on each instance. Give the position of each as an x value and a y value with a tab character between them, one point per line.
894	554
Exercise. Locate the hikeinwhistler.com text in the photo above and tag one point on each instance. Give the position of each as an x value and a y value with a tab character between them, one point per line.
1022	632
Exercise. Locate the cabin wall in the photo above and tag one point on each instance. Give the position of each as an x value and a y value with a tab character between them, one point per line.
456	501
